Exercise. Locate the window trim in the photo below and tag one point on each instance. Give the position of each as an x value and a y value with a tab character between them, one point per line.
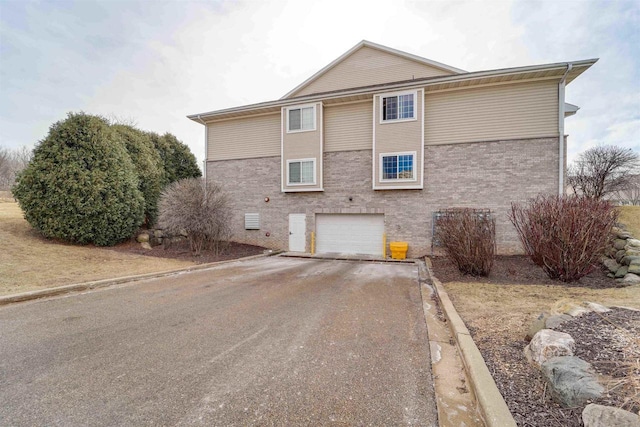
292	184
397	94
414	177
301	107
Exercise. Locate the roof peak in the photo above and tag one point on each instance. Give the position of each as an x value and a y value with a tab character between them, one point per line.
370	44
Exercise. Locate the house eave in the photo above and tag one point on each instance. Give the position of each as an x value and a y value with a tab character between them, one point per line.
457	81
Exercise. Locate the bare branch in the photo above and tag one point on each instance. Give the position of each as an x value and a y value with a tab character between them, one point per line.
602	171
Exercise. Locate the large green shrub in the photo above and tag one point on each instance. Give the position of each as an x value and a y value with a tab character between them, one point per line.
81	185
148	166
178	161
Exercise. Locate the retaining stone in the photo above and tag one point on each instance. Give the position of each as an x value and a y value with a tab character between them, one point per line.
622	271
619	244
607	416
547	344
571	380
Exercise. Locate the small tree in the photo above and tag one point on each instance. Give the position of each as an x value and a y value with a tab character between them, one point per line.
199	209
148	166
81	185
602	171
566	236
468	237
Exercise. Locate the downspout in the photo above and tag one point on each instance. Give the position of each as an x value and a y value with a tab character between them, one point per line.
561	144
206	148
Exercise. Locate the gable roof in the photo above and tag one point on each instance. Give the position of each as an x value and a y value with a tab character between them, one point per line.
367	44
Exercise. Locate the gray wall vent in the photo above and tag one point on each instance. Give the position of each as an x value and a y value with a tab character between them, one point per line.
252	221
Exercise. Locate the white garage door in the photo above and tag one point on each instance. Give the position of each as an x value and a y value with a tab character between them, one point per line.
349	234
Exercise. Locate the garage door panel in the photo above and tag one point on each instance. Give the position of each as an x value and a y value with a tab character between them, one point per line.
349	234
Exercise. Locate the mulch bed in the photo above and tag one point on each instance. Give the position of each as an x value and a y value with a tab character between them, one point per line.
517	270
609	341
181	251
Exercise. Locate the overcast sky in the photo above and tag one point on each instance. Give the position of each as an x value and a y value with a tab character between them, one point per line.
154	62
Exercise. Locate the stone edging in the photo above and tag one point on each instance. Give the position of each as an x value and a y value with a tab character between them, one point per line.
78	287
493	408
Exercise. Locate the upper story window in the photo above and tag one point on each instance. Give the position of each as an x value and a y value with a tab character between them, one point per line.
397	167
398	107
302	171
300	119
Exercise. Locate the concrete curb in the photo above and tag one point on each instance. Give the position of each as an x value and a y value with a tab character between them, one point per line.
493	408
78	287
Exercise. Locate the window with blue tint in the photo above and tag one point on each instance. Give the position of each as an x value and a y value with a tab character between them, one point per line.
397	167
405	108
398	107
390	167
390	108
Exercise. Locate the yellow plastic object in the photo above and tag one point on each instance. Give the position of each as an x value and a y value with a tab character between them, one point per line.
398	250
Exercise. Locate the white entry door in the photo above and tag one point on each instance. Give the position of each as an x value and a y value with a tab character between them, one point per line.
297	232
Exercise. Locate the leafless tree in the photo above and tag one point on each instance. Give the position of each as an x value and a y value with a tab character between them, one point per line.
631	193
603	170
198	209
12	162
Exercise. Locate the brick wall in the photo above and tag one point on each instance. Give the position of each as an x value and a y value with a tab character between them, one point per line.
480	175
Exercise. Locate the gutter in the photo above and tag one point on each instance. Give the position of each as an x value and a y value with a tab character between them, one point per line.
561	159
206	147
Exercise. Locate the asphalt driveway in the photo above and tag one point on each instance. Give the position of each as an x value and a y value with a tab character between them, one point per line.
272	341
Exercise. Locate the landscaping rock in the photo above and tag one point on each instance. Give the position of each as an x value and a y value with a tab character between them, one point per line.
598	308
158	234
634	243
142	237
611	264
627	259
619	244
553	322
145	245
547	344
607	416
622	271
620	254
630	279
537	325
634	267
571	380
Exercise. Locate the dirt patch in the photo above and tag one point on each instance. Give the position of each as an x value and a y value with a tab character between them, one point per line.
499	310
181	251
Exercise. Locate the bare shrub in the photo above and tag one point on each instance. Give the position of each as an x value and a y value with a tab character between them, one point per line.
566	236
199	209
469	239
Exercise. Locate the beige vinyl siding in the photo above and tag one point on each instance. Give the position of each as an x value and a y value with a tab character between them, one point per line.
348	127
396	137
244	138
302	145
525	110
368	66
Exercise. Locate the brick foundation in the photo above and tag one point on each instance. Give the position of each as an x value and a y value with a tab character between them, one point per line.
478	175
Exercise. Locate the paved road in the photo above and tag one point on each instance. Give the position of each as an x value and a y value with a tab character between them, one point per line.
273	341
